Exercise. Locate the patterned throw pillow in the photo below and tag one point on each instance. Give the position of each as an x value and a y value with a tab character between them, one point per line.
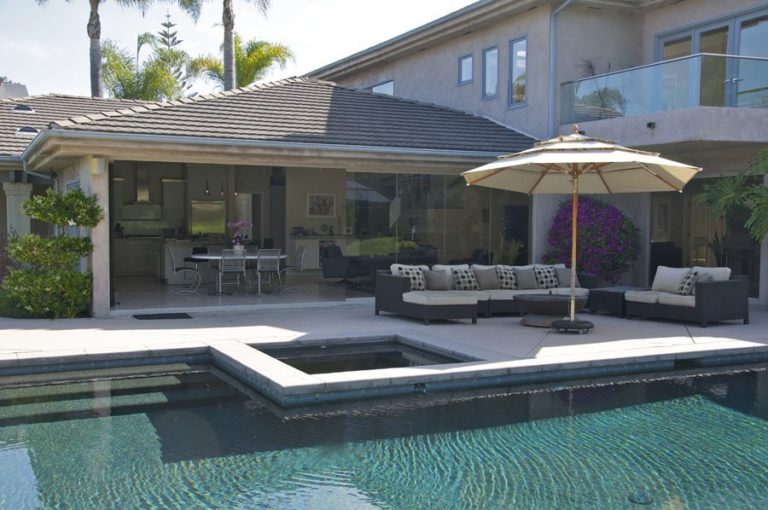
413	273
506	276
464	279
688	283
546	277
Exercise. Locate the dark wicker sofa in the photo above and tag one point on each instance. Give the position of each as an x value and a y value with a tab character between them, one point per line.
389	298
714	301
390	290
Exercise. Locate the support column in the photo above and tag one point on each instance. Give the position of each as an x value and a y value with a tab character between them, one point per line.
16	193
98	175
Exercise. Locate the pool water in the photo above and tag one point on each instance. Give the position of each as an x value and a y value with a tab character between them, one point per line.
330	358
190	440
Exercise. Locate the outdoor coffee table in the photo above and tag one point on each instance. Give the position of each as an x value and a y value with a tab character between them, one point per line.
541	310
609	300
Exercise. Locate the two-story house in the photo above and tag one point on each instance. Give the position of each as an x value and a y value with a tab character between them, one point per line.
686	78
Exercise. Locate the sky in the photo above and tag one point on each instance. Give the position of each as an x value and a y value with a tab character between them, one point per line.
46	48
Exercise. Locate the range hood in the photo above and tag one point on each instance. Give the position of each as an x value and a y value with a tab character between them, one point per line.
142	208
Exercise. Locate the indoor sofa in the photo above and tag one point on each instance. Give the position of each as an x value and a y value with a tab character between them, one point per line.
698	294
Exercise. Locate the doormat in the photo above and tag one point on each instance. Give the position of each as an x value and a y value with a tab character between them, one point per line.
159	316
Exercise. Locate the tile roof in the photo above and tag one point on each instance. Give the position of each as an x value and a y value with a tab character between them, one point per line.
309	111
47	109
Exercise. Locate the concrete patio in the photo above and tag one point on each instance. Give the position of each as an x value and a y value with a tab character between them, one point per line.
497	339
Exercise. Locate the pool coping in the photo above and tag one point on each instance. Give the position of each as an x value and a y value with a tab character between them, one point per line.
289	387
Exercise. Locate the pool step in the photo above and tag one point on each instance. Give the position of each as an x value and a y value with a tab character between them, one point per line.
114	387
110	404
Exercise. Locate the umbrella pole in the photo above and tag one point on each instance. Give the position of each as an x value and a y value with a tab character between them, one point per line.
574	220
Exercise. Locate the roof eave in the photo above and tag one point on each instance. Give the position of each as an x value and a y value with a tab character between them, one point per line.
61	143
9	163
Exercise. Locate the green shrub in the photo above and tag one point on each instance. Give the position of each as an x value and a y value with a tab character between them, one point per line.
48	283
72	208
54	293
49	252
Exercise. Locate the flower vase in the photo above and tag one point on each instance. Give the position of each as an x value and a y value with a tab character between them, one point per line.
239	248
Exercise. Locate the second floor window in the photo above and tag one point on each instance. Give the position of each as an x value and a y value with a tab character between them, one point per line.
465	70
518	67
386	88
490	72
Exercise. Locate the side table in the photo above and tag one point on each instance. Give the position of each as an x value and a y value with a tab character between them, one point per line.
609	300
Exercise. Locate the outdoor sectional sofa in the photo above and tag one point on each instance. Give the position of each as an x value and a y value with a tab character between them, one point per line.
395	295
715	295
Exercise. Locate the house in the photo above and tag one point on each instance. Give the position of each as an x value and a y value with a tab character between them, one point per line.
307	163
685	78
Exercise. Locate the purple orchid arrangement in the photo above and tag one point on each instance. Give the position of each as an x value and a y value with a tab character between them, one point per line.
607	241
237	228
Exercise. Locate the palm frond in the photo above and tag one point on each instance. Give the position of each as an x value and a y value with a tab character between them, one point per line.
208	67
757	202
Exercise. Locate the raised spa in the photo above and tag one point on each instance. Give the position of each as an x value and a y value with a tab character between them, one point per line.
330	357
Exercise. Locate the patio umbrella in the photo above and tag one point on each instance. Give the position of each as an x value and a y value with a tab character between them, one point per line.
578	164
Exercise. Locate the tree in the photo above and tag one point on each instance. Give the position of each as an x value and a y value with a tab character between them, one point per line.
729	195
252	62
228	20
161	77
94	33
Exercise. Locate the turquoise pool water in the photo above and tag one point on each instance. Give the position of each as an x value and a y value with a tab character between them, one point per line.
188	440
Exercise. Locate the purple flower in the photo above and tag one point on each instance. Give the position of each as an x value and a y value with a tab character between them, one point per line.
607	241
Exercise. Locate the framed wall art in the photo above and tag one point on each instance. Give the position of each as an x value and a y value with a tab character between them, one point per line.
321	205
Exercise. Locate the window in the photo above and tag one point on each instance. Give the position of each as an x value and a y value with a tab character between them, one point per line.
465	69
387	88
518	65
491	72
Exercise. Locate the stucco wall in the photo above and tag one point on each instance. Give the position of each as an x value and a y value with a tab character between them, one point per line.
684	14
432	75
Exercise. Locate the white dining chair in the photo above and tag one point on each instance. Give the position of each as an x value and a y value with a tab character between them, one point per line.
298	265
184	268
232	262
267	266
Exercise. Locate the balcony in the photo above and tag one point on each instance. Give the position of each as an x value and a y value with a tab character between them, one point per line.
701	80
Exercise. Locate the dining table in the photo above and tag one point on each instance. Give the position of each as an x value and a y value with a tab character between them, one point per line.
217	256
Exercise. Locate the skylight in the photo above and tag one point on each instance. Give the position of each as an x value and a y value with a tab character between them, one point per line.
25	108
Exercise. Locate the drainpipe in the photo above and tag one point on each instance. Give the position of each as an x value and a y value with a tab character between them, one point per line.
48	177
552	53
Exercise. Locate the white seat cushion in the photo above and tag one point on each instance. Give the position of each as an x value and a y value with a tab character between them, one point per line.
438	297
642	296
566	291
509	294
668	279
481	295
677	300
718	274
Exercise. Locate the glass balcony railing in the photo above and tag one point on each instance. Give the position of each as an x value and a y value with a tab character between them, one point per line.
696	80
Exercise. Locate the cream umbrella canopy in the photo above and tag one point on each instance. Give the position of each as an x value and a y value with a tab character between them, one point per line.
576	164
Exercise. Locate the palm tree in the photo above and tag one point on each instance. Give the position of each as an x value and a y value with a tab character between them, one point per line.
94	32
228	20
252	61
161	77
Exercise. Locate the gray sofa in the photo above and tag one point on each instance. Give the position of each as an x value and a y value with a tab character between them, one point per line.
394	295
717	296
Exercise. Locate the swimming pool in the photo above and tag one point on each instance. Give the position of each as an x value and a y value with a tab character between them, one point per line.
187	439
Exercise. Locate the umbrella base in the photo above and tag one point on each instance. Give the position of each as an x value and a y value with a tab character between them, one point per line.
575	326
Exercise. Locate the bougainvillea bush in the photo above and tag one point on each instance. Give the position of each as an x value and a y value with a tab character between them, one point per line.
607	241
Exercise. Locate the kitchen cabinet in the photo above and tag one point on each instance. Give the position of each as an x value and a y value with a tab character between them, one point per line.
174	200
137	256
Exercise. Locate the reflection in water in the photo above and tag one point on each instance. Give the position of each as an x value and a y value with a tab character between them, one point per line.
190	440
